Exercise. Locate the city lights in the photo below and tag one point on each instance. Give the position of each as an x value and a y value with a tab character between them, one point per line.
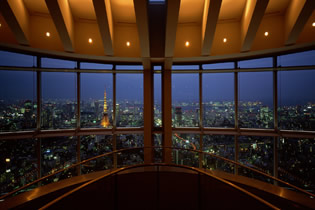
7	160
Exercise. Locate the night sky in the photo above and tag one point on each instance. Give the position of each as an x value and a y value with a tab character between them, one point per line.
295	87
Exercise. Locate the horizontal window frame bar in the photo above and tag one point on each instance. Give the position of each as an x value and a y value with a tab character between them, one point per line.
140	130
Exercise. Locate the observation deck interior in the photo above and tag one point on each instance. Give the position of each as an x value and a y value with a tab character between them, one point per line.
222	89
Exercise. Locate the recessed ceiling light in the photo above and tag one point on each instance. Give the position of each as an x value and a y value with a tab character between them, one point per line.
224	40
90	40
187	43
47	34
266	33
128	44
7	160
313	24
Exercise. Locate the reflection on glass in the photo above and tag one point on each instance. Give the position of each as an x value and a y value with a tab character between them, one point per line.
256	63
96	66
228	65
92	146
96	100
297	162
297	59
296	102
58	63
133	156
256	100
256	152
17	59
59	100
157	100
129	102
18	164
218	100
218	145
18	107
185	67
186	141
185	100
58	153
129	67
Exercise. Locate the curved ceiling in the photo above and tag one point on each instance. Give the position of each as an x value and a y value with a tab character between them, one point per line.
126	28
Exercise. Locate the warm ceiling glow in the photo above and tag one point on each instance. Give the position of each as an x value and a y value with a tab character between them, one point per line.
187	43
128	44
7	160
312	24
266	33
0	25
47	34
224	40
90	40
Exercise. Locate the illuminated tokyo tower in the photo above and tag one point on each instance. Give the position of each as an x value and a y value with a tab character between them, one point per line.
105	120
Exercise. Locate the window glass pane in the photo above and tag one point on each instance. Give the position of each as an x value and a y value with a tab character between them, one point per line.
96	66
58	63
157	67
18	102
92	146
130	156
129	105
218	99
58	153
256	63
186	141
222	146
129	67
185	67
17	59
59	100
18	164
158	152
185	100
96	92
157	100
297	162
229	65
297	59
256	100
256	152
296	100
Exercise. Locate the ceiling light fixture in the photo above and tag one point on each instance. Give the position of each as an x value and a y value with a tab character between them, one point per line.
128	44
266	33
47	34
7	160
90	40
313	24
224	40
0	24
187	43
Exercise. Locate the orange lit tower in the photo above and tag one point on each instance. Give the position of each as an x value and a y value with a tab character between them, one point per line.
105	120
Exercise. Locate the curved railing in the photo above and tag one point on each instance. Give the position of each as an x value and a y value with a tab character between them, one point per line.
160	164
236	164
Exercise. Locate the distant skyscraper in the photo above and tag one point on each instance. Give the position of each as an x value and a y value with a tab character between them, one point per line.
178	116
105	120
